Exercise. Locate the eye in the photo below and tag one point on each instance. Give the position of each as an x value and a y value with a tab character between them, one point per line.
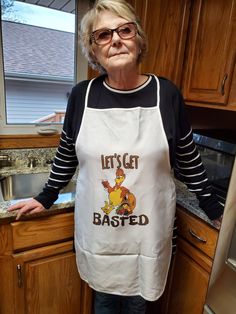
125	30
105	34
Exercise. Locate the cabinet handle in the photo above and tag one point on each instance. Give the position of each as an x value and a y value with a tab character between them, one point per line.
19	275
223	84
196	236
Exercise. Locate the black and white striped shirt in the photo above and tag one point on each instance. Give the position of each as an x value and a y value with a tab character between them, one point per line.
184	156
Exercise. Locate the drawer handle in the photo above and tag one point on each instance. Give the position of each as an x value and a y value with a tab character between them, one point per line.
19	275
196	236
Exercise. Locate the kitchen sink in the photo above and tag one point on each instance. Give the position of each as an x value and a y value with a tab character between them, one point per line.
28	185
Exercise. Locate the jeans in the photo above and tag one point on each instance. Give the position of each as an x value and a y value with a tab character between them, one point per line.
114	304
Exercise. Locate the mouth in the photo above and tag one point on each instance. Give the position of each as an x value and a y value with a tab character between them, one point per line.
117	54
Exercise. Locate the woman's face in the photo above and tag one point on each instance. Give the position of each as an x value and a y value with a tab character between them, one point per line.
118	54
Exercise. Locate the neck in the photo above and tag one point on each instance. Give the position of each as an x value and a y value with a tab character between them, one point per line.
125	81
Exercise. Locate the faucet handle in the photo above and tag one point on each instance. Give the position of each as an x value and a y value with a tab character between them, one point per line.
32	162
49	162
5	160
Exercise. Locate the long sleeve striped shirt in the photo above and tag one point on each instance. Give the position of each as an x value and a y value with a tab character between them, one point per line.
184	156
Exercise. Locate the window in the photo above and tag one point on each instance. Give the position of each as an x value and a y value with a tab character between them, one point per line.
38	46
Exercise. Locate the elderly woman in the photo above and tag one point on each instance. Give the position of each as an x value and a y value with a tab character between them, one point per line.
127	131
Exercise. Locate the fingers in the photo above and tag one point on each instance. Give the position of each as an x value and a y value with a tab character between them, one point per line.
35	211
217	222
26	207
16	206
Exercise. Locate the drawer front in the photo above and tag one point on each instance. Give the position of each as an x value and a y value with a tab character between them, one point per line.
43	231
197	232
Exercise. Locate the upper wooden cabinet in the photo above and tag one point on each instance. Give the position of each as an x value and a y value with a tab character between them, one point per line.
166	24
192	43
210	54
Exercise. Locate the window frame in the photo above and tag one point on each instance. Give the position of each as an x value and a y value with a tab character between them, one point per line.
10	134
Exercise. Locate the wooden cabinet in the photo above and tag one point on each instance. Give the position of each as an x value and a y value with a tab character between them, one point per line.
211	49
189	285
38	268
192	43
166	24
191	266
47	280
39	275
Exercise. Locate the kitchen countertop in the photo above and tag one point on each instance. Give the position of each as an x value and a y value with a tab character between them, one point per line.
189	201
65	201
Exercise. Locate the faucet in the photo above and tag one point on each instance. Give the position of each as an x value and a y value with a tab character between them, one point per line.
32	162
5	161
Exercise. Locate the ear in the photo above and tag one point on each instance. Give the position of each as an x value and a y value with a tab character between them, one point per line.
93	54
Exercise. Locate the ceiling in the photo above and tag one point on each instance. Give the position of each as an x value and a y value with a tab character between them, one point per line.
62	5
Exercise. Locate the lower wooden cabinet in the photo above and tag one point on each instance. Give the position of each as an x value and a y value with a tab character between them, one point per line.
191	266
39	275
47	281
44	279
189	285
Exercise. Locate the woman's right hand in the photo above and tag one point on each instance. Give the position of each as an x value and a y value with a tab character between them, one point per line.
30	206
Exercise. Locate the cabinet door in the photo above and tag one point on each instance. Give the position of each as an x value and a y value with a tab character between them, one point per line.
166	24
48	281
139	6
211	56
189	286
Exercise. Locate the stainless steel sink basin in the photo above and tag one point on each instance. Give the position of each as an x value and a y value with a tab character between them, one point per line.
20	186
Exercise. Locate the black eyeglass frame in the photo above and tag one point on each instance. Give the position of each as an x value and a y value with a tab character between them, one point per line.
112	30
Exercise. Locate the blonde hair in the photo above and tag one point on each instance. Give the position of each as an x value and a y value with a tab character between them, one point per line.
122	9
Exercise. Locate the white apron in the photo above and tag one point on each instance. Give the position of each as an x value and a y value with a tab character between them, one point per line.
125	201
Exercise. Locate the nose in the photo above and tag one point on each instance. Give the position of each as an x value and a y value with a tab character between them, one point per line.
115	38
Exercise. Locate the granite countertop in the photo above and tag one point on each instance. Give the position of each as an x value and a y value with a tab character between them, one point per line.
64	202
189	201
185	198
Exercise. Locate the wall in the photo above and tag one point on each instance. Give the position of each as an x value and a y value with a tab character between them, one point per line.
34	100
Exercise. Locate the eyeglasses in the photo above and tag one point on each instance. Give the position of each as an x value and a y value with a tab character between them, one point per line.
104	36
